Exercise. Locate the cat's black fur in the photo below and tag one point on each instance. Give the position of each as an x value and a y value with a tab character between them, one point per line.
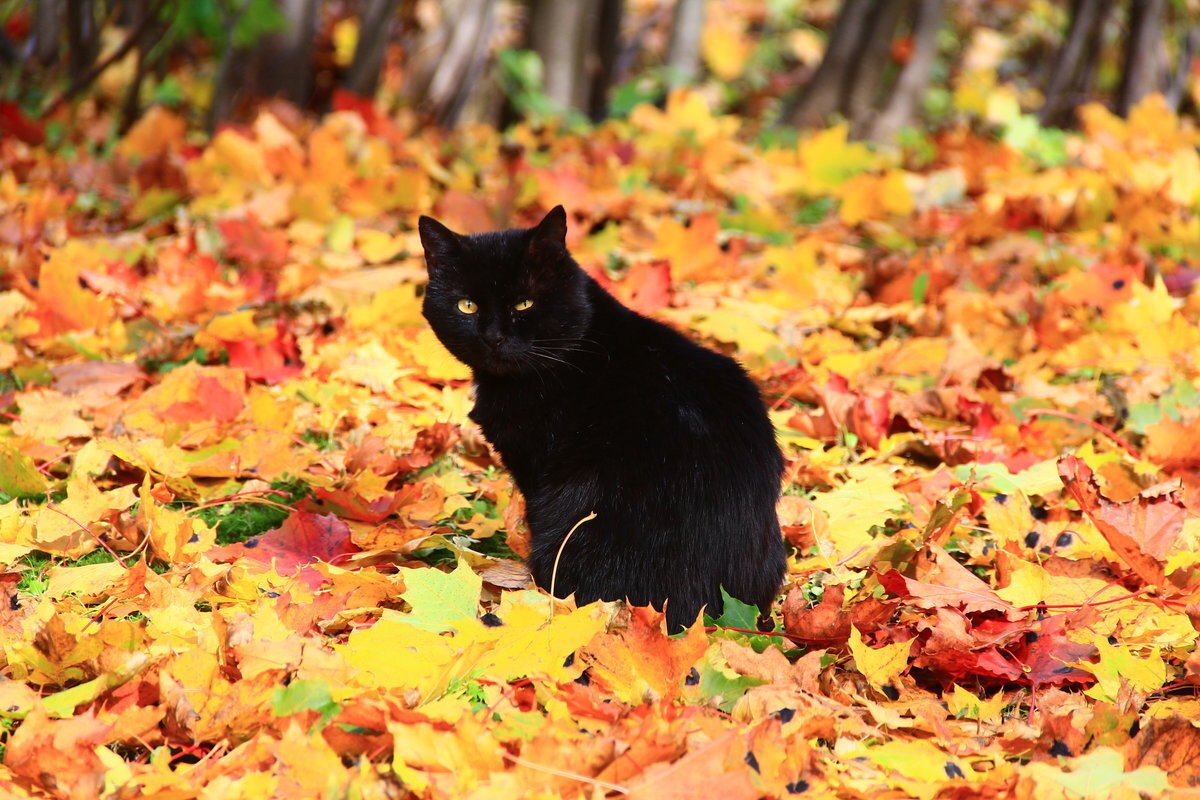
594	407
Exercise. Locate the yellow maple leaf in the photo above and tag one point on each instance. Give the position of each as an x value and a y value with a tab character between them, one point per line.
230	327
536	644
158	131
725	50
232	155
49	415
454	758
63	303
879	665
686	110
918	767
866	499
640	663
1119	664
393	654
390	307
345	41
725	324
175	536
71	528
434	359
870	197
1027	585
965	705
829	160
1096	775
1153	320
378	246
208	705
372	366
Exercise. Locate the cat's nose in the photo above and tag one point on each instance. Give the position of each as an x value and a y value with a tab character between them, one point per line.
495	338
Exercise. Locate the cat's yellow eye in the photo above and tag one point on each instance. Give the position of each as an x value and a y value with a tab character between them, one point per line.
524	305
467	306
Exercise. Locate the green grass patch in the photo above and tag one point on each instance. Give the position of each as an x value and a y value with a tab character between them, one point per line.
239	520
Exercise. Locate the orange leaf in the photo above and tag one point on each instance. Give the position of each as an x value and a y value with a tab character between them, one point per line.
642	659
59	755
1140	532
646	287
828	623
1175	445
63	304
717	769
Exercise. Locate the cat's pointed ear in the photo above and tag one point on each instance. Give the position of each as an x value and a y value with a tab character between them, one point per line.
441	244
549	237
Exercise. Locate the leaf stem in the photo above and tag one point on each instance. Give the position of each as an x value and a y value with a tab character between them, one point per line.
1096	426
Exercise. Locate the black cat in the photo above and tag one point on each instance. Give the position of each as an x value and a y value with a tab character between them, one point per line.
594	407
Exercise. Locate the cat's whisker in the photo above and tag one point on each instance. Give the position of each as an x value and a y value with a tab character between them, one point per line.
571	346
575	341
547	355
524	361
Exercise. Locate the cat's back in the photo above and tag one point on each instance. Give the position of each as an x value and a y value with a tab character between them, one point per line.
659	385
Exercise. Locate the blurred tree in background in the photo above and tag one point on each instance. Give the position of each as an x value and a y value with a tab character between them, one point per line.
881	65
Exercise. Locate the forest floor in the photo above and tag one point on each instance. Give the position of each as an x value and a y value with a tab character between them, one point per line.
253	547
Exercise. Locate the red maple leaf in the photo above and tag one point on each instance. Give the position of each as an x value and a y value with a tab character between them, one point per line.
253	246
302	539
272	361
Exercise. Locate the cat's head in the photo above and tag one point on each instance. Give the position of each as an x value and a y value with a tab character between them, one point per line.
506	302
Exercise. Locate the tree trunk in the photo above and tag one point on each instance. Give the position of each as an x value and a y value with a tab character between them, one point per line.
608	49
232	68
464	54
286	67
554	32
83	39
85	79
47	25
901	108
861	90
228	85
9	54
373	35
1074	68
1145	67
145	37
823	93
683	48
1187	51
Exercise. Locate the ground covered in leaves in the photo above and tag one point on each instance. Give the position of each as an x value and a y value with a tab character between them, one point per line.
252	547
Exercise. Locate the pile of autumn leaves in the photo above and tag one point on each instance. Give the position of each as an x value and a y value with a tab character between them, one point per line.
982	369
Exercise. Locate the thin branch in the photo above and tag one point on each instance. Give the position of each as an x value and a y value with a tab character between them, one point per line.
99	67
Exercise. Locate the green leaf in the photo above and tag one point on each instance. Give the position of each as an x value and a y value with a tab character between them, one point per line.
18	475
305	695
720	683
736	614
1101	773
441	601
259	18
340	237
1181	394
63	704
919	288
944	511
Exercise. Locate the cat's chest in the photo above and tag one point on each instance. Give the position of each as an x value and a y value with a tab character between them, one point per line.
512	412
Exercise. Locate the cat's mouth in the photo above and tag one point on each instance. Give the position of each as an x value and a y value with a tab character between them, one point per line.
509	358
503	360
